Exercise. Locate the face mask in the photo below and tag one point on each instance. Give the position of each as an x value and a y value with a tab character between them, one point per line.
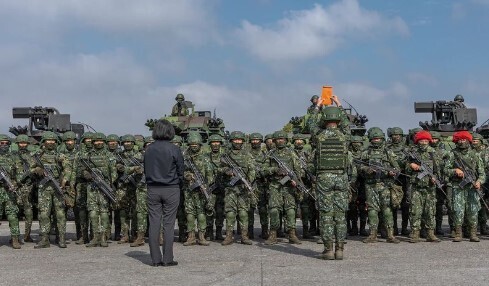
255	145
423	147
98	146
280	144
88	144
50	146
356	146
463	145
128	147
194	148
377	144
4	149
435	144
237	146
299	146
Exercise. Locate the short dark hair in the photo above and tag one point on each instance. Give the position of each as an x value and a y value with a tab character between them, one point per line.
163	130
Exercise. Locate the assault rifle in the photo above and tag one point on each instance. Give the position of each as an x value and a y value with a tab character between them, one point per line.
303	163
126	177
425	170
49	177
379	168
200	181
239	175
291	176
99	181
469	177
5	177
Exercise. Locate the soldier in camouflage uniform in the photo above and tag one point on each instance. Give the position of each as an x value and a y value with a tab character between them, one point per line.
237	198
101	161
26	183
130	188
80	210
282	196
217	196
196	203
48	196
333	166
423	190
307	204
181	217
377	184
259	155
68	150
8	199
398	146
465	199
358	206
179	109
313	108
441	199
479	149
113	141
269	142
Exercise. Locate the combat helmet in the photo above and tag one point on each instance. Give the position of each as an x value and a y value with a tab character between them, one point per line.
87	135
237	135
194	138
176	139
70	135
99	136
49	135
268	136
459	98
180	97
435	135
256	135
279	135
216	138
149	140
477	136
298	136
394	131
112	137
331	113
356	139
314	97
4	137
22	138
375	132
128	138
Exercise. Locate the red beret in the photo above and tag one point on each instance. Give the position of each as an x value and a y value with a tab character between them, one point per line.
462	135
422	135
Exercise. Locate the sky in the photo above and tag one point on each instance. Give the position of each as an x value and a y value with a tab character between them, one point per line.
113	64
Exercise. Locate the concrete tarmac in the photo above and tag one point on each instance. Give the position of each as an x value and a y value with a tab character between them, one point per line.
445	263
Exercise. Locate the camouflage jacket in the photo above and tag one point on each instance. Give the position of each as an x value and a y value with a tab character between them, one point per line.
470	158
288	157
244	160
57	162
379	156
101	161
24	161
9	162
203	165
428	158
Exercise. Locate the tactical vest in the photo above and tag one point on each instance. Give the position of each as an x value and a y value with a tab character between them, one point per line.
7	164
239	158
331	154
100	161
51	159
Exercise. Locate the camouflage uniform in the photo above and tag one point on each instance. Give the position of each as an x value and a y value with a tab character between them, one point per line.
441	199
113	142
465	200
237	198
397	146
181	217
81	187
378	184
259	155
282	197
423	190
480	149
97	203
358	206
307	203
8	199
179	109
196	204
218	194
48	196
26	183
333	166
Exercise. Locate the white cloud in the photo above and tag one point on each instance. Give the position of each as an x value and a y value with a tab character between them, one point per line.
316	32
183	20
422	78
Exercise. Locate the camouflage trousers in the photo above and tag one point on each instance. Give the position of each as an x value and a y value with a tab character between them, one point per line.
218	215
332	198
282	197
236	202
379	200
263	206
48	198
142	208
195	208
26	198
465	204
7	203
98	209
423	207
125	205
80	209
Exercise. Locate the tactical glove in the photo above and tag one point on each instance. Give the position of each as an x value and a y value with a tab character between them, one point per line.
38	171
188	176
120	168
139	170
87	175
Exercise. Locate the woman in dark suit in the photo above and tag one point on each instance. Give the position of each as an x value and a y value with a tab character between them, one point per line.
163	167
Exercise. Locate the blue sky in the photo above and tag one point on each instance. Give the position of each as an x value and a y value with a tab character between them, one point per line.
115	63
